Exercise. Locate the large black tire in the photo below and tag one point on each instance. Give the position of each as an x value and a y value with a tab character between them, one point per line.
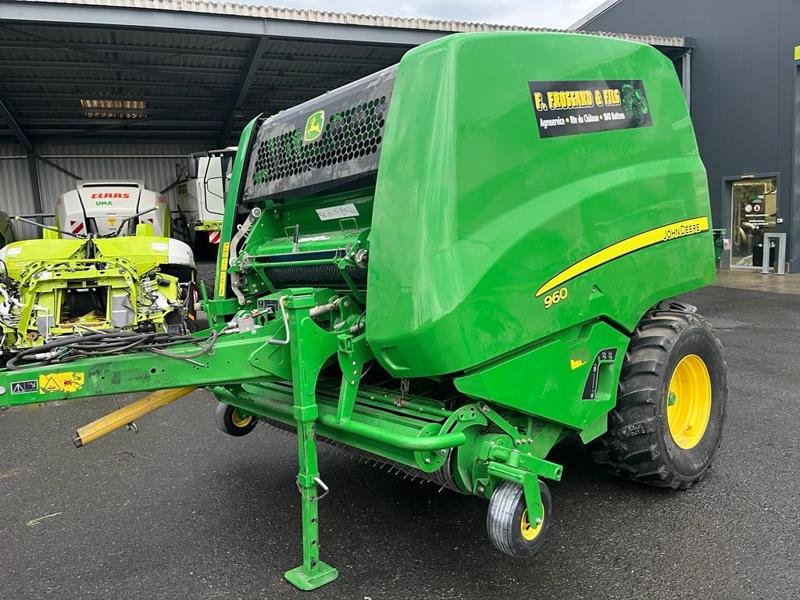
507	524
643	442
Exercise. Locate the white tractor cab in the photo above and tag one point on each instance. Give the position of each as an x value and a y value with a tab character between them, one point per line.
108	208
201	196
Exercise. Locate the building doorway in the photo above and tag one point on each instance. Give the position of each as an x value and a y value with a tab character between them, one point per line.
754	208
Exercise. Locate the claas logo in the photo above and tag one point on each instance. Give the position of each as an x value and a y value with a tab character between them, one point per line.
101	195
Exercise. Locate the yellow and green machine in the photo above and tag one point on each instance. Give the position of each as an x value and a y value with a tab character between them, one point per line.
451	266
107	264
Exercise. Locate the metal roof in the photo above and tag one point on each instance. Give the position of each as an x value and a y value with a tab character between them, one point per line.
595	12
195	70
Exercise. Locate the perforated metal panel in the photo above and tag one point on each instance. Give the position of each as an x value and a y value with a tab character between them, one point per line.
322	142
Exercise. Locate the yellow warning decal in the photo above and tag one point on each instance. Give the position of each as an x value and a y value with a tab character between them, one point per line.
576	364
69	381
651	237
222	273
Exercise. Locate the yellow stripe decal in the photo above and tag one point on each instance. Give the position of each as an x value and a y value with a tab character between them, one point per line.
222	273
664	233
797	52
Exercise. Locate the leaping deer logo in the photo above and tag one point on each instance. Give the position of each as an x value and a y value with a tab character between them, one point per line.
314	125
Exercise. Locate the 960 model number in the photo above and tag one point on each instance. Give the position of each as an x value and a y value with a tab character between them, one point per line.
556	297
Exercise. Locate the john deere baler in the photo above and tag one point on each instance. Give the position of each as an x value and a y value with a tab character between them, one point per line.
450	266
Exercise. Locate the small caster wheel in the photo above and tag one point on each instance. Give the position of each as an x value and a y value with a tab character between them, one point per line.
231	421
507	522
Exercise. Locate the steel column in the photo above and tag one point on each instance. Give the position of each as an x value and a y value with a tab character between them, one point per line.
33	172
686	77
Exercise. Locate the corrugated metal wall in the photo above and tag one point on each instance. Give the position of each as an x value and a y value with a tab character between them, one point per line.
16	196
154	164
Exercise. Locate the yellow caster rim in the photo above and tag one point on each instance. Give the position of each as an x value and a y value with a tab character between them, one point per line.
689	401
240	420
530	531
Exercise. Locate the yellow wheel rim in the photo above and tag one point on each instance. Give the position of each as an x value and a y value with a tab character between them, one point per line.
689	401
240	420
529	531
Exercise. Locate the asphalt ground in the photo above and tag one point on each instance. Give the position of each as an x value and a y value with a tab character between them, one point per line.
180	510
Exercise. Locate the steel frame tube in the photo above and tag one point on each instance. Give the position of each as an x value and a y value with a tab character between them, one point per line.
328	424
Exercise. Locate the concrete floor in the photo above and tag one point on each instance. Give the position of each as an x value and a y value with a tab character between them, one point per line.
180	510
745	279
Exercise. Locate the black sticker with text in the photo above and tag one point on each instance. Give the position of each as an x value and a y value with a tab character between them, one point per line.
570	107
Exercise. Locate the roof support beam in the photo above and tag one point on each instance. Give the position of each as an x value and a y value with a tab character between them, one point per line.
254	60
44	96
57	167
166	53
146	69
33	156
170	51
273	74
33	173
63	65
36	122
6	116
129	17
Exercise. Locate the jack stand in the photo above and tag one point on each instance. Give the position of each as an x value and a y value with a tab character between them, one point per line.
313	573
307	359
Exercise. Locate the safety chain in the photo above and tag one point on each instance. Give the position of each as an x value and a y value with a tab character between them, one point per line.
320	483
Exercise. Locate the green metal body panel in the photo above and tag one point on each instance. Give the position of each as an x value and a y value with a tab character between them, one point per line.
539	380
474	214
493	210
236	360
234	194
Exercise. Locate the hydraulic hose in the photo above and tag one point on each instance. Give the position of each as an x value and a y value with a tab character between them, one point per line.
69	348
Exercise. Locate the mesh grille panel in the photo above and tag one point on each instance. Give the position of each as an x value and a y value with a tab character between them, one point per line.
322	142
352	133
